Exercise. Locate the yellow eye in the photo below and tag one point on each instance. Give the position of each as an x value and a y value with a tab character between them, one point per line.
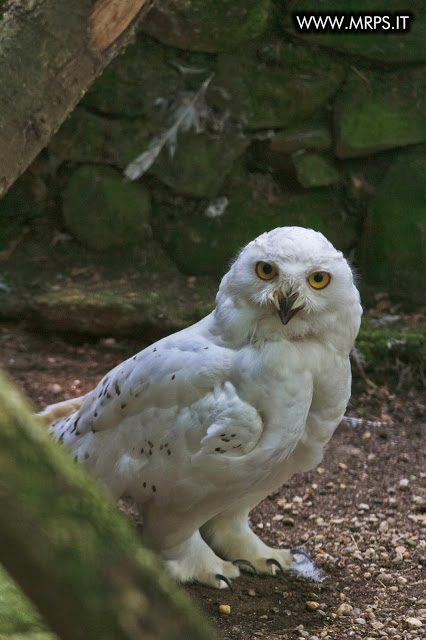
265	270
319	279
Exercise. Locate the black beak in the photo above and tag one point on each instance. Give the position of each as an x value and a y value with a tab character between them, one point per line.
286	311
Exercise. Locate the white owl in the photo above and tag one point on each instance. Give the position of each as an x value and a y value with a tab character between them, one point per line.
201	426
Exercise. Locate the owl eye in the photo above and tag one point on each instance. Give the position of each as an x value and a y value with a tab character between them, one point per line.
319	279
265	270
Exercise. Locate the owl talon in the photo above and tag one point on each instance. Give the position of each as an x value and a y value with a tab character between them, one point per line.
219	576
275	563
246	563
300	552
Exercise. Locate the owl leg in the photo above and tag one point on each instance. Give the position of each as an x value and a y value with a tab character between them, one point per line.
230	536
194	561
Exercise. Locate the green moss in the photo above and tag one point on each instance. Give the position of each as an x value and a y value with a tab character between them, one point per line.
22	203
393	355
384	46
394	257
308	135
201	161
381	110
30	635
153	311
133	82
280	92
102	210
17	615
314	170
87	137
200	244
207	25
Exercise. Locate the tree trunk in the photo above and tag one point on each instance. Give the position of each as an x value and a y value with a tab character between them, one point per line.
70	549
50	53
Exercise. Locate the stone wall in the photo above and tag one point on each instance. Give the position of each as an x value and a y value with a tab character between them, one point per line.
249	126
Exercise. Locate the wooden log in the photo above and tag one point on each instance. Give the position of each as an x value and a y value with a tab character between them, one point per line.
70	549
50	53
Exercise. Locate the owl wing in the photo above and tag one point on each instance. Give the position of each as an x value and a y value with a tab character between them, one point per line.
185	376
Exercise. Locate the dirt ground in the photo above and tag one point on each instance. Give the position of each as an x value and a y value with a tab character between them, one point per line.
361	515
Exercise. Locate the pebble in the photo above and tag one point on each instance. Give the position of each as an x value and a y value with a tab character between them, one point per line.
344	609
360	621
384	526
56	388
251	592
363	507
224	609
413	623
312	605
377	625
400	549
401	580
403	484
385	577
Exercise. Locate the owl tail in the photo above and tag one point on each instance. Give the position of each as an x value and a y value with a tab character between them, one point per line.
61	409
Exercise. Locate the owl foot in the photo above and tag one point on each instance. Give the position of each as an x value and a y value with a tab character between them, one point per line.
215	574
222	578
245	563
271	562
300	552
194	561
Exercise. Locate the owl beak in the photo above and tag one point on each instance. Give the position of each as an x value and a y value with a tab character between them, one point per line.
284	305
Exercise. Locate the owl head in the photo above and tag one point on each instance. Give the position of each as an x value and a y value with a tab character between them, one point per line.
290	283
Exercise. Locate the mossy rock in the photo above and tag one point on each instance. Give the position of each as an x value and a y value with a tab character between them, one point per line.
18	618
105	311
395	237
393	355
201	161
151	307
207	25
201	244
275	93
146	76
315	169
102	210
382	46
91	138
312	136
137	293
378	110
23	203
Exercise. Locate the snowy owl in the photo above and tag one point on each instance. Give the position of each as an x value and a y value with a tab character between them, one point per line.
205	423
